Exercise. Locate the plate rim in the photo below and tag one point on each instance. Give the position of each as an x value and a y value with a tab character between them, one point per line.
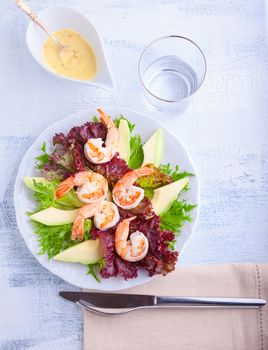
38	139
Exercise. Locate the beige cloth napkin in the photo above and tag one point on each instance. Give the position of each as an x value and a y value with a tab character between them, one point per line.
208	329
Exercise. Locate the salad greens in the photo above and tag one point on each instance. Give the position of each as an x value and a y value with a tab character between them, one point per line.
130	125
174	218
53	239
44	195
136	152
171	245
43	158
175	174
151	182
96	267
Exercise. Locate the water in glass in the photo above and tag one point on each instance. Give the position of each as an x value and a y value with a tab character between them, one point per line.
170	78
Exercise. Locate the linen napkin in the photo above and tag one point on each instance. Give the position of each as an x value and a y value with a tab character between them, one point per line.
188	329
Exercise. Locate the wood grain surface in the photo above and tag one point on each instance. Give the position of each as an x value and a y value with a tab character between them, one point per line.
225	129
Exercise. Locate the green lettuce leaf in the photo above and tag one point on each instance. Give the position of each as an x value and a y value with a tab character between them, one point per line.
43	158
53	239
93	269
171	245
174	218
136	152
175	174
130	125
44	195
151	182
148	192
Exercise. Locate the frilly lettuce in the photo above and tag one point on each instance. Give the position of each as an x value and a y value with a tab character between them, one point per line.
44	195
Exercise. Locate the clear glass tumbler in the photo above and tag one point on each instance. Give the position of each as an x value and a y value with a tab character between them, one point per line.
171	70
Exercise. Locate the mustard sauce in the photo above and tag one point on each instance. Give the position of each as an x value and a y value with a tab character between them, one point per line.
76	60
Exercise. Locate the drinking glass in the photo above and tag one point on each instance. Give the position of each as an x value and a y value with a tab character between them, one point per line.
171	69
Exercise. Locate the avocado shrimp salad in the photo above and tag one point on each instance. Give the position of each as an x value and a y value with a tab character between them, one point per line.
104	199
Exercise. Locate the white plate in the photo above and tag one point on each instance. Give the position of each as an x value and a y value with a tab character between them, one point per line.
76	274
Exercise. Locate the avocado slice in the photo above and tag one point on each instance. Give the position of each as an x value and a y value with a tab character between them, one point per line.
54	217
70	199
153	149
164	196
124	140
87	252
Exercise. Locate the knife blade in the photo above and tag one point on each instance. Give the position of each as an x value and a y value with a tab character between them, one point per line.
110	300
123	301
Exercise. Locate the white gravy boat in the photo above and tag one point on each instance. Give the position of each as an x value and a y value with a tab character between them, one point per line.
57	18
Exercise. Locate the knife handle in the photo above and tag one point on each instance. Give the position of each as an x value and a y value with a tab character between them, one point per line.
209	302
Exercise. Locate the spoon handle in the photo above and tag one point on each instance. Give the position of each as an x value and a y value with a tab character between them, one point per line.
26	9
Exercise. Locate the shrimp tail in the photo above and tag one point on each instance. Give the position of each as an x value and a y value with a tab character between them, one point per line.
64	187
144	171
122	230
85	212
131	218
78	228
105	119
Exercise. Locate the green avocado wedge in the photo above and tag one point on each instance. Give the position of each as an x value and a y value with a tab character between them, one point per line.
124	140
153	149
87	252
54	217
164	196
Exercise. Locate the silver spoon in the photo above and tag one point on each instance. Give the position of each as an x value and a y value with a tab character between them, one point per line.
26	9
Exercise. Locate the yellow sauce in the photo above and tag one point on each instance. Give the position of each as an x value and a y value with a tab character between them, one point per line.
77	60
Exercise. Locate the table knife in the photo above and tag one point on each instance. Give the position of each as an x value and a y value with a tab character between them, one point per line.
111	303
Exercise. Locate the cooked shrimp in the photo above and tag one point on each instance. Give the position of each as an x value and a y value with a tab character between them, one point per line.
92	187
125	194
107	216
133	249
94	149
85	212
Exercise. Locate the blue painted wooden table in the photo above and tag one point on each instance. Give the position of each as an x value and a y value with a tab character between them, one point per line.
225	130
